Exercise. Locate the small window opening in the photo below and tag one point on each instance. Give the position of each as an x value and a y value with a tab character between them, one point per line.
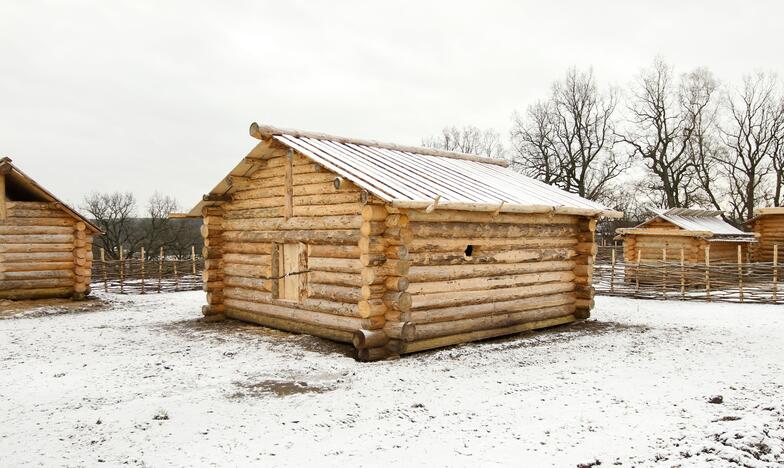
469	250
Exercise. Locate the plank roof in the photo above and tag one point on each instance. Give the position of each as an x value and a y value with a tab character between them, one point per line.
700	222
415	177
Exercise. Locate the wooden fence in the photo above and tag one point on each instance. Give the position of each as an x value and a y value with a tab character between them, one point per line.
142	275
673	278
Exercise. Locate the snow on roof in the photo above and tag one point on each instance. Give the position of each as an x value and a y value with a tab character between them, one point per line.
413	177
699	220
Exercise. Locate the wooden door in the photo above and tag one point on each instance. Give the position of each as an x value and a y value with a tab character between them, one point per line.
289	262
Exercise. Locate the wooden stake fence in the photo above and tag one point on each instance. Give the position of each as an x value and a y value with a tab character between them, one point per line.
133	276
730	281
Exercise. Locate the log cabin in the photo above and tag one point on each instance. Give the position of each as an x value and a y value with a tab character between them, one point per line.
395	249
697	235
45	246
768	225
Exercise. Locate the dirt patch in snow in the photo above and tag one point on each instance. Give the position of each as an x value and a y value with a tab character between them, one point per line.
279	388
228	329
46	307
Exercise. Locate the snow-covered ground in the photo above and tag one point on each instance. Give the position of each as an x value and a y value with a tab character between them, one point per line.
143	381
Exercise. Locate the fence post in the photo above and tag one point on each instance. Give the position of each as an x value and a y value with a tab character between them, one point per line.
612	271
160	269
176	279
142	268
103	265
740	272
683	279
122	271
775	272
664	272
637	272
707	273
193	260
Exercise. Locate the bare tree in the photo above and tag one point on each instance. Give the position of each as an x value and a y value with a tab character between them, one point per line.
753	137
115	214
533	144
568	140
469	140
663	119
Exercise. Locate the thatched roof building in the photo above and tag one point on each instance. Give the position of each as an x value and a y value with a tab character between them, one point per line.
45	245
394	248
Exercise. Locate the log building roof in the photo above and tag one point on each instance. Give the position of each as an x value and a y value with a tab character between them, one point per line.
700	223
25	183
414	177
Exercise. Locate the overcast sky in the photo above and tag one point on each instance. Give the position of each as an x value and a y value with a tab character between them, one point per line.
143	96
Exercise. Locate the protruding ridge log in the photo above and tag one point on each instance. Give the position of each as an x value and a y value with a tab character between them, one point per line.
370	339
405	331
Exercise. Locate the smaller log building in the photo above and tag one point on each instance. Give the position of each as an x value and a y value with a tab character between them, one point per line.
395	249
700	234
768	225
45	246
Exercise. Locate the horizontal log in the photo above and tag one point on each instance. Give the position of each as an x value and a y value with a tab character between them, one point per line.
38	222
37	239
253	213
327	210
472	284
291	325
334	293
423	274
316	305
334	278
369	339
328	199
338	265
246	259
459	244
35	266
34	213
405	331
542	295
455	298
309	317
39	293
35	275
451	230
504	320
33	205
480	256
447	216
253	203
440	342
30	248
247	248
28	230
293	224
36	257
334	251
7	285
373	354
334	236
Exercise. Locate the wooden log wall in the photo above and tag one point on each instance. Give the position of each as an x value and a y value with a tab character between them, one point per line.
289	199
385	303
771	232
478	275
44	252
212	252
